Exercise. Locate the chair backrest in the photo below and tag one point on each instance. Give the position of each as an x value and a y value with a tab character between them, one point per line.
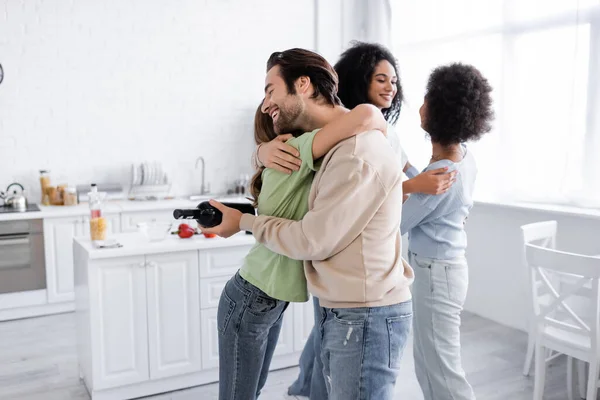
542	232
578	278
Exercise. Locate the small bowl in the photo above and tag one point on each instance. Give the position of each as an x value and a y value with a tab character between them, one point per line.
154	231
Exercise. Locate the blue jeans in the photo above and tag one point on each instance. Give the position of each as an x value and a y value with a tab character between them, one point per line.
311	381
249	322
439	292
361	350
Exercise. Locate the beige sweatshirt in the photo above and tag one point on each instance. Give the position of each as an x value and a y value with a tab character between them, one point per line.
350	237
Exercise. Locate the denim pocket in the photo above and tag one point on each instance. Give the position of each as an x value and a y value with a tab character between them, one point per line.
346	317
457	279
421	262
262	314
259	304
225	311
398	330
422	268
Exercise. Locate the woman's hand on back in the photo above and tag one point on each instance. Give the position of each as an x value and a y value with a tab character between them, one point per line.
434	182
280	156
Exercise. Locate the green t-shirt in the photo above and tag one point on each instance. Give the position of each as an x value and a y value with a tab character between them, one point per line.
283	196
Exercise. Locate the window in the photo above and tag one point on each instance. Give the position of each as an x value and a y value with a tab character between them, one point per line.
542	58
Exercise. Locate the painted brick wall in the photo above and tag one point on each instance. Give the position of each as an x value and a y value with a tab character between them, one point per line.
93	86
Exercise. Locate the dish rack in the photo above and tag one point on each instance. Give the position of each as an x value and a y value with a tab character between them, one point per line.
149	182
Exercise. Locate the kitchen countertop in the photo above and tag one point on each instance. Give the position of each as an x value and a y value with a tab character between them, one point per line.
111	207
136	244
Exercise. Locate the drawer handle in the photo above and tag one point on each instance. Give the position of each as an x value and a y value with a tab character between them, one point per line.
14	240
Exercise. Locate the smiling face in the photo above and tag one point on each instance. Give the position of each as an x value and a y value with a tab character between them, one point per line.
382	88
285	108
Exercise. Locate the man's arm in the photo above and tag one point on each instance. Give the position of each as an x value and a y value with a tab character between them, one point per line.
349	194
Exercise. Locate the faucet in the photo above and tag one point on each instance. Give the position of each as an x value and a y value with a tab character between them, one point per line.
203	189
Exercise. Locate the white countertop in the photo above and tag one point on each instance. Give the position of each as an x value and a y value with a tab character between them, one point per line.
110	207
136	244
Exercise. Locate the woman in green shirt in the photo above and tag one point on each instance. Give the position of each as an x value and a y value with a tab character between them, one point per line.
252	303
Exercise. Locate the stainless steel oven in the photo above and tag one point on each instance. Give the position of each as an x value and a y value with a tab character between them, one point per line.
22	262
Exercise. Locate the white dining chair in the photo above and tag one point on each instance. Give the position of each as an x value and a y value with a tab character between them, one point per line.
543	234
558	325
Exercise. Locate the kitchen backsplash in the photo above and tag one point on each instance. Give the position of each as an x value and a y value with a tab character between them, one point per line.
91	87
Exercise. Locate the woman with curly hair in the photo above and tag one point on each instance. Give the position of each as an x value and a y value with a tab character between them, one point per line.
457	108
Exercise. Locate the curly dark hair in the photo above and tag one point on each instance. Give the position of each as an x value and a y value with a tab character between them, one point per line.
458	104
355	70
294	63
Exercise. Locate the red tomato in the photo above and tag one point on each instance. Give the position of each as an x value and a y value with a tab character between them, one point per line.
183	227
186	233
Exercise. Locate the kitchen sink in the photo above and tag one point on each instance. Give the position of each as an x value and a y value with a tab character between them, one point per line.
202	197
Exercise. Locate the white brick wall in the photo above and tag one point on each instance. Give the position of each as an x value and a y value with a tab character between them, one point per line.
92	86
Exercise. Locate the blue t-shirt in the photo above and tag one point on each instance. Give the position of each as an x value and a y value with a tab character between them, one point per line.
436	224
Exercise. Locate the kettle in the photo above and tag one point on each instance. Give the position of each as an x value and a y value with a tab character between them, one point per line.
14	200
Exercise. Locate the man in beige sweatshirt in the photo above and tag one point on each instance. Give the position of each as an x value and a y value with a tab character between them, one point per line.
349	238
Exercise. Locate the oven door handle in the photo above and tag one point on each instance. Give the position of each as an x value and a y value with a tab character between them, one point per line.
13	240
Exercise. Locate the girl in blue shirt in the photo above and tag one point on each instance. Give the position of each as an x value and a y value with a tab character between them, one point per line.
457	108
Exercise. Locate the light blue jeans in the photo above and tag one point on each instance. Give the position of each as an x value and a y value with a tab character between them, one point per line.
439	293
368	377
361	350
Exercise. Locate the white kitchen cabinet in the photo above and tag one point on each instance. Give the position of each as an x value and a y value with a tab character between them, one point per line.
129	220
118	318
147	319
58	248
210	339
173	314
210	291
222	261
285	344
304	321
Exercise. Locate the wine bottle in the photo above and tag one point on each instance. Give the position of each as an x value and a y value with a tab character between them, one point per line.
207	215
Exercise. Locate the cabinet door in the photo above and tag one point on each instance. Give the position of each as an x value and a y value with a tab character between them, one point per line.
58	249
210	339
119	326
210	291
173	314
285	344
223	261
303	323
129	220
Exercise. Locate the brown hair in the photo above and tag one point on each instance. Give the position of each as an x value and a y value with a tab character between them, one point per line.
263	133
294	63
